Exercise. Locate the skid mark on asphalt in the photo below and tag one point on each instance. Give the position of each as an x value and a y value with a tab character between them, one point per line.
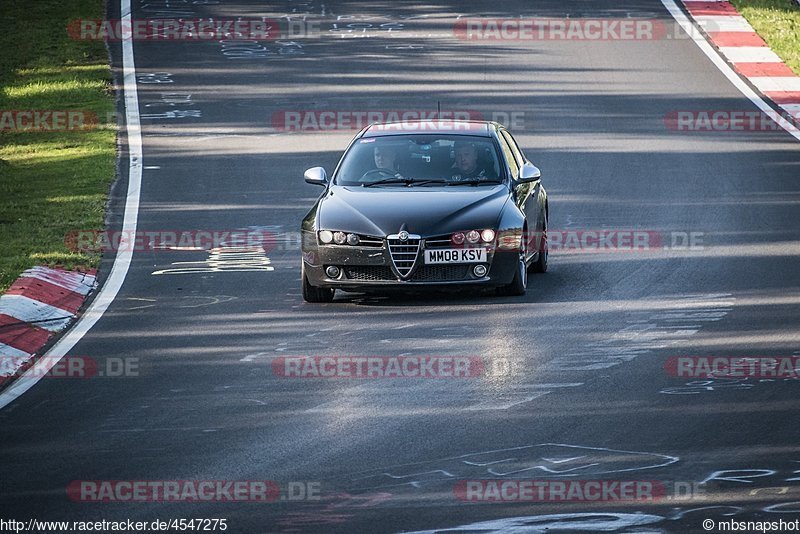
708	385
700	386
544	460
519	394
336	339
575	522
370	399
369	396
196	301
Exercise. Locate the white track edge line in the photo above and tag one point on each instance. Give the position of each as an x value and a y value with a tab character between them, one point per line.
124	255
723	67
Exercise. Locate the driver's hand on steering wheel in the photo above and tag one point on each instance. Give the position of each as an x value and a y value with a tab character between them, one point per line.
379	174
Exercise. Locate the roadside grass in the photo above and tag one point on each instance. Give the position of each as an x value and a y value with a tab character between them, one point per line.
52	182
778	23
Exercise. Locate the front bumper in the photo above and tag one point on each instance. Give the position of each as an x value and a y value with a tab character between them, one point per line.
364	268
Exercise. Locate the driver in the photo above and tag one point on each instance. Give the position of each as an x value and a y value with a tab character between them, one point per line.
386	158
466	166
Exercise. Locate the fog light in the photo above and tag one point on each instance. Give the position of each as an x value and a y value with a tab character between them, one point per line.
332	271
479	270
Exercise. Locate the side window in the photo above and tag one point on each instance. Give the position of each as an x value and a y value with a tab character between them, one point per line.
509	155
514	147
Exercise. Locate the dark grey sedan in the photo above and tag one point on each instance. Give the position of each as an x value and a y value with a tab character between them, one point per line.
437	204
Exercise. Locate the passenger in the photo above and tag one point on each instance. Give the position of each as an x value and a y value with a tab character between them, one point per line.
466	166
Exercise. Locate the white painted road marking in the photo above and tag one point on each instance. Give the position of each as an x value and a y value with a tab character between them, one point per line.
224	259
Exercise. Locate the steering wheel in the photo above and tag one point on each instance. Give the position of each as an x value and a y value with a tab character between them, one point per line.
382	173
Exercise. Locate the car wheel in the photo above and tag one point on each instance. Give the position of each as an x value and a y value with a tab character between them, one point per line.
519	284
540	265
315	294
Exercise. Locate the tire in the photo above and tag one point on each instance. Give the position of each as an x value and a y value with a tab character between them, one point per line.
540	265
519	284
315	294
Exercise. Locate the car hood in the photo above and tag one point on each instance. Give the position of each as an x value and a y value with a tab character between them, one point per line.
381	211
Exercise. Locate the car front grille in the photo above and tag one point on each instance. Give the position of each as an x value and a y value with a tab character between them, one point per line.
441	273
439	241
404	254
369	273
370	241
426	273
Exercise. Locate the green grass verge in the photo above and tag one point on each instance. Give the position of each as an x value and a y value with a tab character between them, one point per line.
52	182
778	23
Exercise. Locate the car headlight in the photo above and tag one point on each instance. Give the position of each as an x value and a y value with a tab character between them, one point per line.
327	237
473	236
487	236
458	238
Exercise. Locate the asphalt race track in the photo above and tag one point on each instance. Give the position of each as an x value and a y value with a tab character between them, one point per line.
581	392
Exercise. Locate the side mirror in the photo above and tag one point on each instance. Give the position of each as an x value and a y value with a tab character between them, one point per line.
529	173
316	176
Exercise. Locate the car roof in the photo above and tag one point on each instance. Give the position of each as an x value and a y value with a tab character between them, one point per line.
432	126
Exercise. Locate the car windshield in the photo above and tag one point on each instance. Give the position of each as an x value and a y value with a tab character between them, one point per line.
423	160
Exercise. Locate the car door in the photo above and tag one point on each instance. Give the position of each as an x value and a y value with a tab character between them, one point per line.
524	192
531	196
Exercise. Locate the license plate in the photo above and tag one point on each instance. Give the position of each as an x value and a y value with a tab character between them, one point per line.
455	255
